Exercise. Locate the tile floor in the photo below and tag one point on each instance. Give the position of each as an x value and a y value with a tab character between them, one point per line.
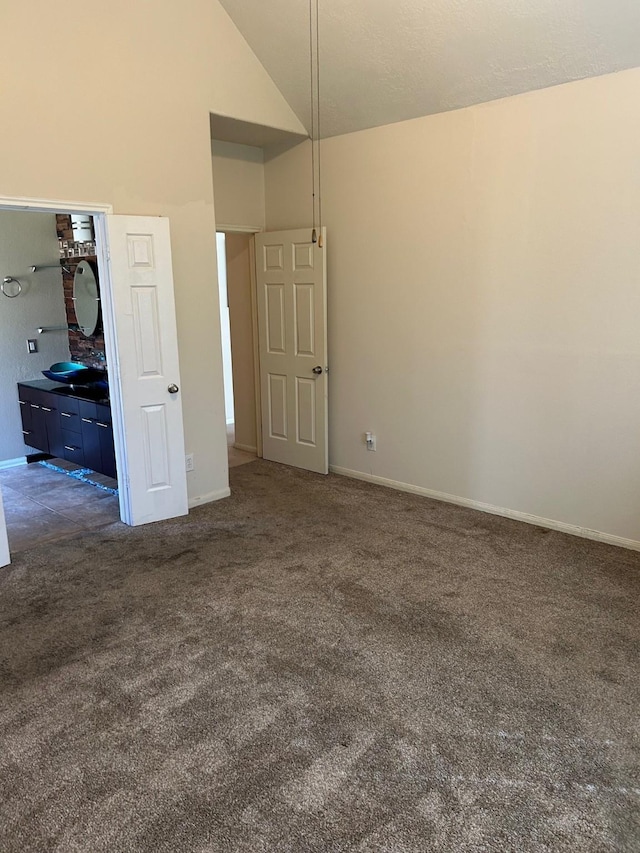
42	505
237	457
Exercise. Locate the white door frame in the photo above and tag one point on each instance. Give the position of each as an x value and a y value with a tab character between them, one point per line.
98	211
252	230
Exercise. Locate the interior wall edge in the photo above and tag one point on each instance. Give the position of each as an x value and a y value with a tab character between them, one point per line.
515	515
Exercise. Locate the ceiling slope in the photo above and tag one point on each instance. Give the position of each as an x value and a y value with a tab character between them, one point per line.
389	60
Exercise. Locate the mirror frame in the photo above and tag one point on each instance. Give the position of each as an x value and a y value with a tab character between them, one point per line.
85	328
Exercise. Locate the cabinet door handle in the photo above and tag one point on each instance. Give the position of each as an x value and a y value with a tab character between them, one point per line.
67	447
22	402
87	421
67	414
33	406
46	409
26	432
104	426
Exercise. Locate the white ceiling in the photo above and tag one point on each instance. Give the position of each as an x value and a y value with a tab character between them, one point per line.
389	60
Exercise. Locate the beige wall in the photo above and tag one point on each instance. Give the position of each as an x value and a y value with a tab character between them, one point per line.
241	317
484	298
238	181
27	239
238	185
143	80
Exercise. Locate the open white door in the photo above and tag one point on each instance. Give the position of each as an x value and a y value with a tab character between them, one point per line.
5	559
292	332
146	405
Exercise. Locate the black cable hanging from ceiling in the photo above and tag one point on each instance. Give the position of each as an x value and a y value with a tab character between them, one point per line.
320	240
314	91
314	233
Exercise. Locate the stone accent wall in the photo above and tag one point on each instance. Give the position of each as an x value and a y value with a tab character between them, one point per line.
63	226
82	349
70	248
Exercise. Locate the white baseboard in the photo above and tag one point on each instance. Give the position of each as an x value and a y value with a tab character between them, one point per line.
209	497
13	463
537	520
246	447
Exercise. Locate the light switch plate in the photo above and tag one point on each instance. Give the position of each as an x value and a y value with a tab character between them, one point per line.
32	345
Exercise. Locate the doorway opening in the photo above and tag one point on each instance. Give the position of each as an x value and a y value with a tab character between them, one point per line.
235	251
281	315
57	457
141	345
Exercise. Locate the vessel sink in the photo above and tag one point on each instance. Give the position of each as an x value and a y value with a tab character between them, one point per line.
74	373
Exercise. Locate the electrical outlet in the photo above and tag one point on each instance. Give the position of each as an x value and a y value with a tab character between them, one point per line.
189	461
32	345
370	439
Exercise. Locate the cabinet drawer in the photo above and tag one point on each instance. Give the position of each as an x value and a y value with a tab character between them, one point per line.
28	395
103	415
72	446
26	415
107	452
69	415
33	414
29	436
30	409
87	410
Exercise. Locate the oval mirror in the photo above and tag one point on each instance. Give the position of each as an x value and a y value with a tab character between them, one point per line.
86	298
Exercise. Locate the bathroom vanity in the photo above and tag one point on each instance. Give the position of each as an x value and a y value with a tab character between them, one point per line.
70	422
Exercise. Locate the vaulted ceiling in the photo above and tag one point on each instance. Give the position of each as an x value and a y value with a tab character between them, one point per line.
388	60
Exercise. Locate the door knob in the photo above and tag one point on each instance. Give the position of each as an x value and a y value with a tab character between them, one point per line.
317	370
173	389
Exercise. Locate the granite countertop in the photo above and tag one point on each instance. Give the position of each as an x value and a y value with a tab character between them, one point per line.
80	392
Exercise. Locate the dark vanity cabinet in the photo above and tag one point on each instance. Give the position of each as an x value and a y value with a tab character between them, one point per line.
69	423
40	421
97	437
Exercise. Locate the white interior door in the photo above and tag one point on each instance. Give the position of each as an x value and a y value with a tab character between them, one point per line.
147	407
5	559
292	332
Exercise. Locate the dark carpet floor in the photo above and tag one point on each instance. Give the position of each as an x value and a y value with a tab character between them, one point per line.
317	664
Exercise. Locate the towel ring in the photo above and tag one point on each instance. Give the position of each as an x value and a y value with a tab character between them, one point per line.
17	288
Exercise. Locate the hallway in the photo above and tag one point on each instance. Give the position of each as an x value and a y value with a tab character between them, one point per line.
237	457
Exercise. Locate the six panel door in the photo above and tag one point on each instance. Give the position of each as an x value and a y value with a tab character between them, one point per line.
292	323
149	377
